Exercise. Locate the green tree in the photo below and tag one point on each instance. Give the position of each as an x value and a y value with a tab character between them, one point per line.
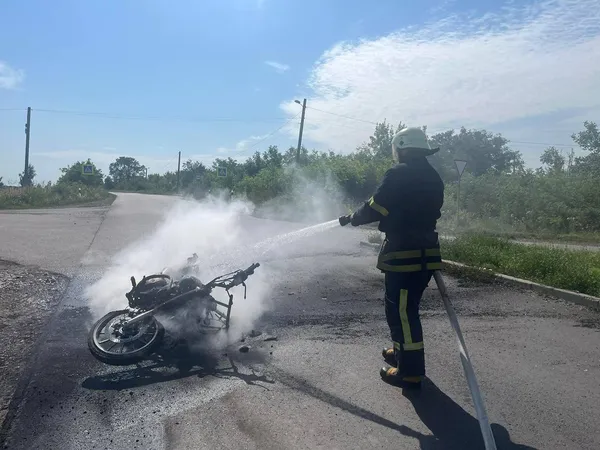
109	183
125	169
291	156
191	173
272	157
379	145
483	151
554	160
74	174
26	178
589	141
254	164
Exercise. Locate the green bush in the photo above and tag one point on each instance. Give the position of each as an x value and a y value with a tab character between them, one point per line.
41	196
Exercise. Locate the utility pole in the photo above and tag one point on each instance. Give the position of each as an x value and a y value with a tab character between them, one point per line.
27	131
178	170
460	167
301	129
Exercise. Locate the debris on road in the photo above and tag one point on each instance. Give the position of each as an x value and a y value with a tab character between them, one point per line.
244	349
270	338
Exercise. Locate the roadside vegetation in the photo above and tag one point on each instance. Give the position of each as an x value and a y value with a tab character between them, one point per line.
73	188
574	270
53	195
498	196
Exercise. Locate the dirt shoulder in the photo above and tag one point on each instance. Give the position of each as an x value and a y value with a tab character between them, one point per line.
28	296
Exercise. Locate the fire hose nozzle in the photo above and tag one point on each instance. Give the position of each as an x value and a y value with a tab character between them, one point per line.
344	220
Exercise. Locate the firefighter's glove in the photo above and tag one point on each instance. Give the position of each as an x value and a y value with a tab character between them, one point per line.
345	220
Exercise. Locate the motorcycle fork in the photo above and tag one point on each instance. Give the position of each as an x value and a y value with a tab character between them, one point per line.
229	310
231	304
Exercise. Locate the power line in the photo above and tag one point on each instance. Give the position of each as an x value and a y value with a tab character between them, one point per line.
256	143
340	115
105	115
272	133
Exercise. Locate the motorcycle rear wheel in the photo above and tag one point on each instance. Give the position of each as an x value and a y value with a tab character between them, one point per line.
115	350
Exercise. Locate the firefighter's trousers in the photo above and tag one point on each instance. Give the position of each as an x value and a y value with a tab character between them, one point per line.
403	293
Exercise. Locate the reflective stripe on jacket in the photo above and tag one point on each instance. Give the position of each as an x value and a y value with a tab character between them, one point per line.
390	260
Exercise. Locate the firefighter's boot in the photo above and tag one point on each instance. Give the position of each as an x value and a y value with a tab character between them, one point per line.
390	375
389	356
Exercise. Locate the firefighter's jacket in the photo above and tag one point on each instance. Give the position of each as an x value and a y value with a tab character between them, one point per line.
407	205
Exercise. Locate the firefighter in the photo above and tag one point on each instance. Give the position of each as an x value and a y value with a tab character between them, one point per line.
407	205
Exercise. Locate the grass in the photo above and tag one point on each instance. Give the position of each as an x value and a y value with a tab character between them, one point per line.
574	270
57	195
582	238
495	228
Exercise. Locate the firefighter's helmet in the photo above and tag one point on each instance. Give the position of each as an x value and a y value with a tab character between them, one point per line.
412	139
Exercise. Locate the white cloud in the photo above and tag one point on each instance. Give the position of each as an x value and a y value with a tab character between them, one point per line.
241	146
10	78
473	71
279	67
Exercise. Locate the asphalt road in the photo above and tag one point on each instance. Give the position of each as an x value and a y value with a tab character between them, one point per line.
317	385
55	239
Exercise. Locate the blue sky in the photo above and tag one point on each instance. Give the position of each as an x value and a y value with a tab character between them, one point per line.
217	78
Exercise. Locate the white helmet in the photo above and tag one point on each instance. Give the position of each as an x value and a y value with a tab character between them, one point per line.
414	139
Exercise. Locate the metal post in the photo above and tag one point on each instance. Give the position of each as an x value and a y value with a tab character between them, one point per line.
178	170
300	133
458	205
27	133
460	167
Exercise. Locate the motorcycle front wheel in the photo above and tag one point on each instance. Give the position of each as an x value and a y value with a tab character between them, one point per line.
126	348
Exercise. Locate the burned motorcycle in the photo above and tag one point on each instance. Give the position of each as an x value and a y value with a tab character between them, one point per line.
130	335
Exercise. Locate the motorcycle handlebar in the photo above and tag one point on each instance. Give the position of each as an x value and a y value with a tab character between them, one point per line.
240	277
250	270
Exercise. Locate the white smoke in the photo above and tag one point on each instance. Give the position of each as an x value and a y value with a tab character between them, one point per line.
214	230
313	197
217	229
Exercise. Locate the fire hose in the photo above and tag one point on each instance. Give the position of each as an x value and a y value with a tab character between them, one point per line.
484	424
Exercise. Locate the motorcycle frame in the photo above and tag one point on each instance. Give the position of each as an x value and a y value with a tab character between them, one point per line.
195	291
